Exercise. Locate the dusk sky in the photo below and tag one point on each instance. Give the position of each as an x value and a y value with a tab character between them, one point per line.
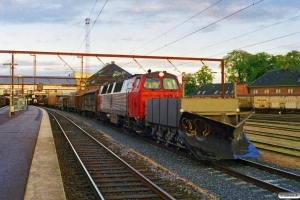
190	28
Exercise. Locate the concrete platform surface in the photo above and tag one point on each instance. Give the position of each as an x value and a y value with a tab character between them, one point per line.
28	162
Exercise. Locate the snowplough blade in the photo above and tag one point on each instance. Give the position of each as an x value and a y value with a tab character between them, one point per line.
211	139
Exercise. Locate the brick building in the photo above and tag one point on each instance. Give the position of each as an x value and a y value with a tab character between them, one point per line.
277	81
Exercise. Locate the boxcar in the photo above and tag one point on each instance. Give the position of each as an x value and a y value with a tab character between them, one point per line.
90	102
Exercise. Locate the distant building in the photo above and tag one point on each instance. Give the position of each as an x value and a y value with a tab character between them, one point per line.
47	85
277	81
215	90
108	73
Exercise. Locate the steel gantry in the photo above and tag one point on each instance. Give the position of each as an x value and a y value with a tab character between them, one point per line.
122	56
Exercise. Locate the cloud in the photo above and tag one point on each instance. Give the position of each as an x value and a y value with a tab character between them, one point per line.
46	11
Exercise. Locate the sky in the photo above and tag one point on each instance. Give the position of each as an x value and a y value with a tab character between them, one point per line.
188	28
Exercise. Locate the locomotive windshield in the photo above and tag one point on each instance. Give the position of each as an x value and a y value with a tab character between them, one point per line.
170	84
152	83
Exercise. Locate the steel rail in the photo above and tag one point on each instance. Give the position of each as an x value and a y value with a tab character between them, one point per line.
276	145
241	176
271	170
252	180
273	135
163	194
233	173
95	188
283	153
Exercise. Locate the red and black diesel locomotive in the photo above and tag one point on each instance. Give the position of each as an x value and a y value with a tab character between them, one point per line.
152	105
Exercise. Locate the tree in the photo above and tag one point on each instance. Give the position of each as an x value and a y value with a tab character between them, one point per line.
292	59
204	76
258	65
195	80
236	62
250	67
190	83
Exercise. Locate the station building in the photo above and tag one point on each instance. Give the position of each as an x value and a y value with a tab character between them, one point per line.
275	82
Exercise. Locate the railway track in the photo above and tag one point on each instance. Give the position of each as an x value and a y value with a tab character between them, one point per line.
273	180
110	176
275	133
278	118
236	168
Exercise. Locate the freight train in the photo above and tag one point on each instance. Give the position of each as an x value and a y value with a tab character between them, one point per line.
4	101
152	105
270	102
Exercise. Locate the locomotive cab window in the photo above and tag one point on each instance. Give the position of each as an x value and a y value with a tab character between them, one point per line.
170	84
110	86
118	87
136	83
152	83
104	89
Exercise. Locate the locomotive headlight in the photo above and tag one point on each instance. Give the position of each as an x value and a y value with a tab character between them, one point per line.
161	74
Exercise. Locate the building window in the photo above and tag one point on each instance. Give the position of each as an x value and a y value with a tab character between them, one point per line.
266	91
255	92
278	91
290	90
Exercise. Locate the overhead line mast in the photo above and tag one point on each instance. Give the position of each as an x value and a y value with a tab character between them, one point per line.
87	45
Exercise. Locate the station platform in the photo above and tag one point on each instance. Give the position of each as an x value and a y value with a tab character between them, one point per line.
29	166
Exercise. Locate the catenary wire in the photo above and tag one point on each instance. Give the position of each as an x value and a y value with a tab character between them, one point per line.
242	35
205	26
258	43
177	25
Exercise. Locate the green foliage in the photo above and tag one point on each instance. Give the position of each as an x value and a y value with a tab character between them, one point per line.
195	80
250	67
190	83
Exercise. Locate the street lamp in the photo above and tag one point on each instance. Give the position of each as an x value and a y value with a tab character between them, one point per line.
20	76
11	104
11	107
236	79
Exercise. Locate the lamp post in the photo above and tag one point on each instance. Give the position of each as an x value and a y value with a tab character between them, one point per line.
183	83
20	76
236	79
11	106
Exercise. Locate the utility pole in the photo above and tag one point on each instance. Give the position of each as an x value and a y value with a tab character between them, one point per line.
11	102
87	46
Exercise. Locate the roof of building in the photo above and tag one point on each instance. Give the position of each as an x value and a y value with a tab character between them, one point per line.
214	89
278	77
27	80
108	73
